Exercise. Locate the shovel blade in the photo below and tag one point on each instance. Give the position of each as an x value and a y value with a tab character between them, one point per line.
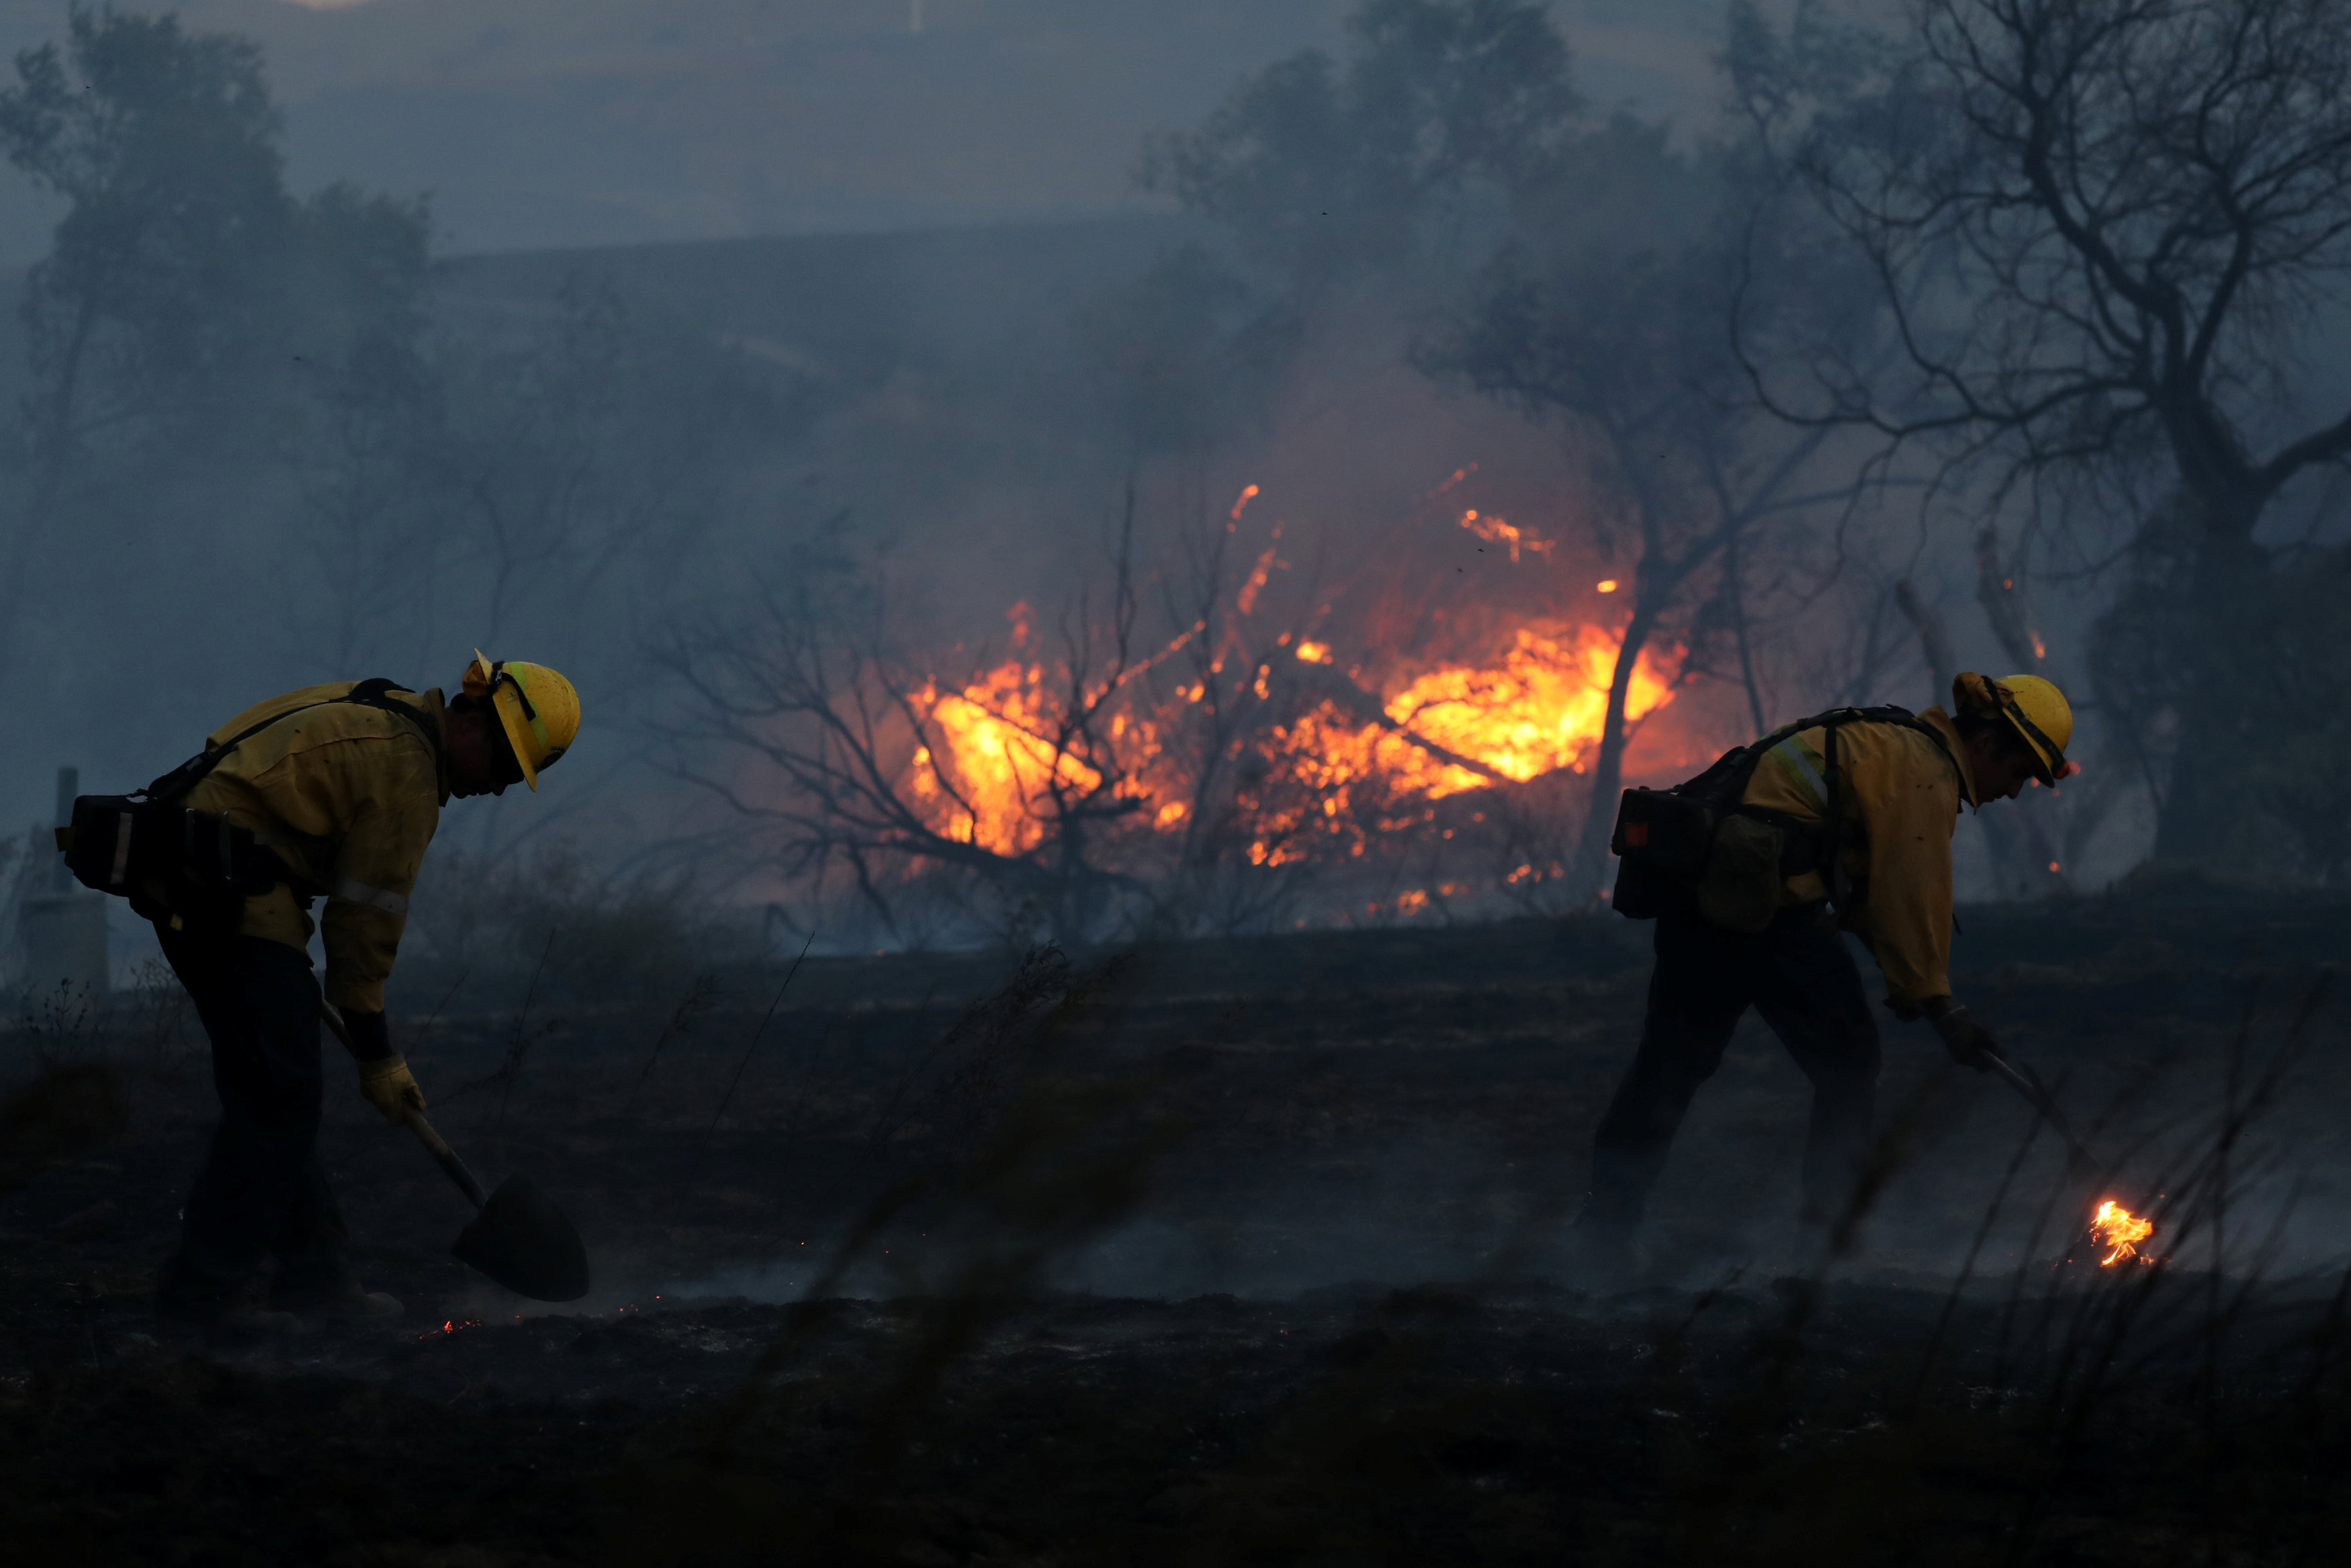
521	1241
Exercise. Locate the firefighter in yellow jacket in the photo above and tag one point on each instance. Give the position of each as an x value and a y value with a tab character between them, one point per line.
344	784
1900	787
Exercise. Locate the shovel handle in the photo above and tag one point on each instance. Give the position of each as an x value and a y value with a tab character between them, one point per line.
434	1144
438	1148
2032	1092
2029	1086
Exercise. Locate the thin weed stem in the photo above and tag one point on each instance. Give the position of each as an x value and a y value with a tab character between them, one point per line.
733	1083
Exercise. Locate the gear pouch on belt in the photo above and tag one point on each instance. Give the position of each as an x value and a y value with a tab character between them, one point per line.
1665	828
1659	842
108	847
147	846
204	866
1739	888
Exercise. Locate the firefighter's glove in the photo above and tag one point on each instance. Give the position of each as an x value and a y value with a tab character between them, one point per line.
390	1087
1969	1042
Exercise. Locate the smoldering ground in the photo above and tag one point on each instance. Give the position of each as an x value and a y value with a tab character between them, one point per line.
1230	1248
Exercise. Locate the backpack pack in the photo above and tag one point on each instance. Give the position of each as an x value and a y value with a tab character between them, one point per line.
1697	847
146	845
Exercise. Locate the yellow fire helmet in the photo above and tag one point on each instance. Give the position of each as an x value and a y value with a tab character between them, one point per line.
538	708
2033	707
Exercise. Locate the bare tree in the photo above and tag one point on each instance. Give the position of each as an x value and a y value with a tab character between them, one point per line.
1217	884
1127	771
2103	230
1629	346
588	444
855	769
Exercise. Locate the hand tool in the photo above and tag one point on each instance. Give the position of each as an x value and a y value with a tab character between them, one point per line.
519	1239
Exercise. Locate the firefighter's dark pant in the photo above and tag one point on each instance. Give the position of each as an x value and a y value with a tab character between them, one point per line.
262	1192
1800	976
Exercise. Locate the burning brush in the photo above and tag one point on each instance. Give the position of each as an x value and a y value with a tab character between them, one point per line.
2112	1227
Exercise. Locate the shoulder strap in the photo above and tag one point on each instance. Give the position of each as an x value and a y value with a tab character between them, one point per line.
376	693
1889	714
1833	823
369	694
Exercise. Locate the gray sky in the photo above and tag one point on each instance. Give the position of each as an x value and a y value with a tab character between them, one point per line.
570	122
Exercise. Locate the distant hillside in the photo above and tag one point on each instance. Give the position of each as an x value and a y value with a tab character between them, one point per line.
580	122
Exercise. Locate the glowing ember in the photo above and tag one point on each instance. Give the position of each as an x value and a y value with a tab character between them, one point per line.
1605	584
2120	1232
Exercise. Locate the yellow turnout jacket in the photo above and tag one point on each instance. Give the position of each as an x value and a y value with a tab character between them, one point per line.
1900	801
346	797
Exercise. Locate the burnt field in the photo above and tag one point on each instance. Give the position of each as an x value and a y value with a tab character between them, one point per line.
1230	1252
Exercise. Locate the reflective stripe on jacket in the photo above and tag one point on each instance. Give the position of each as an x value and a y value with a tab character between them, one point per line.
348	797
1900	803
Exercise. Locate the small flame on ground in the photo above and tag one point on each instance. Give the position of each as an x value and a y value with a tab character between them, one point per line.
2120	1232
1605	584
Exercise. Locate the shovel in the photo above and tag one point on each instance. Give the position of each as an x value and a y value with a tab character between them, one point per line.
520	1239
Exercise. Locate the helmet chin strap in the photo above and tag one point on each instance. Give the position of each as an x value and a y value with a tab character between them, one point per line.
2049	757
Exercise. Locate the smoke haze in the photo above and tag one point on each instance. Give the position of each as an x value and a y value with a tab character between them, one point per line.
538	123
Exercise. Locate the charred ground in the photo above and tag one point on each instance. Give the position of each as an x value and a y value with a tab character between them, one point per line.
1222	1253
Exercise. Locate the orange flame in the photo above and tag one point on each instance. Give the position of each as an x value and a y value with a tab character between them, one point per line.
2120	1232
997	756
1495	531
1002	759
1345	745
1542	710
